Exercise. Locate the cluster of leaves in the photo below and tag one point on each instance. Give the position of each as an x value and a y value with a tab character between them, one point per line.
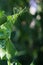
6	46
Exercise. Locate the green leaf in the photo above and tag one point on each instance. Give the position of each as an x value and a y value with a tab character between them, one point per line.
3	17
10	50
2	53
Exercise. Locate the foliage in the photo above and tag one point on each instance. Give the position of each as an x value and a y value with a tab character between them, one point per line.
21	32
